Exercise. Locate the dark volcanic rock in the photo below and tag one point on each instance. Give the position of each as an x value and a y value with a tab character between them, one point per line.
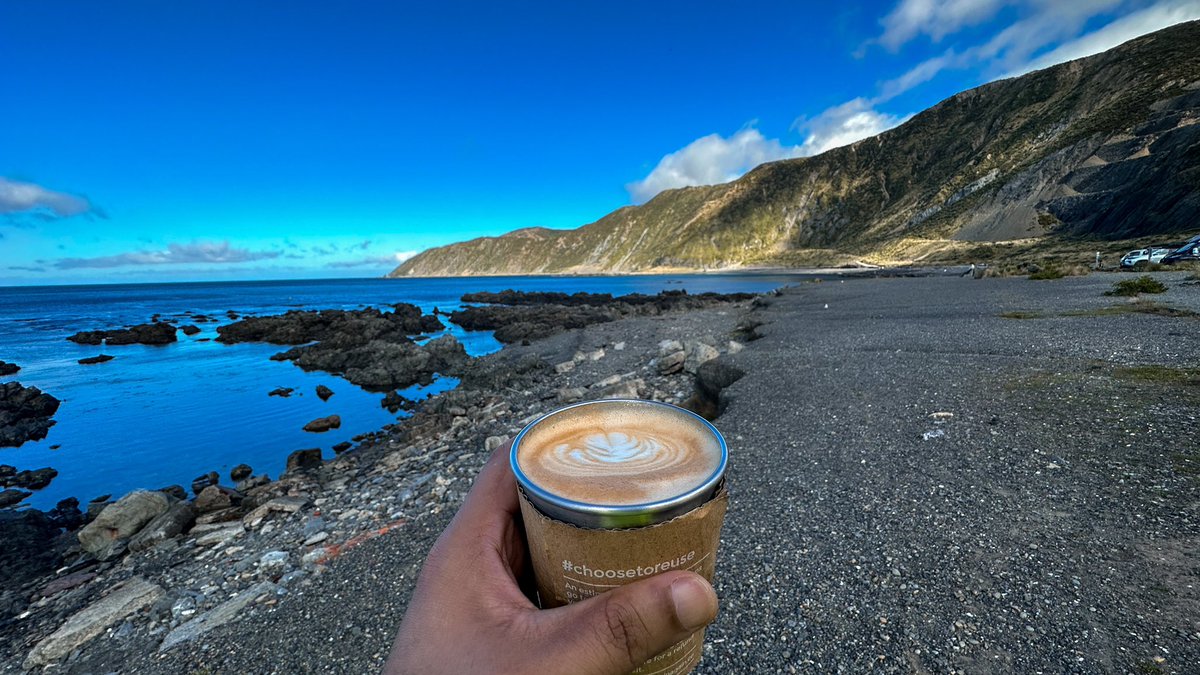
323	424
303	460
300	326
201	482
189	329
379	365
516	316
24	414
342	447
95	359
159	333
30	547
394	402
33	480
66	514
368	347
240	471
8	368
282	392
175	491
324	392
12	496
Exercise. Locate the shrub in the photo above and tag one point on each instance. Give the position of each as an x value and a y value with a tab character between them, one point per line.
1142	284
1047	273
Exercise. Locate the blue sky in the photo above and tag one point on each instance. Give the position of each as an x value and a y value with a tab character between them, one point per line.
152	141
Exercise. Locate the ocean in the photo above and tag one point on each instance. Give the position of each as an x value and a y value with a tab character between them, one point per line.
162	415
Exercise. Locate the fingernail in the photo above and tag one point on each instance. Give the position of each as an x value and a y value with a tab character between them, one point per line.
695	602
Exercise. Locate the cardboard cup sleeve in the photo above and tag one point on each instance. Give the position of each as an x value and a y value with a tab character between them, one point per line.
571	563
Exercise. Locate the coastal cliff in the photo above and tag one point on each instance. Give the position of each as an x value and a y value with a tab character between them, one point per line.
1104	147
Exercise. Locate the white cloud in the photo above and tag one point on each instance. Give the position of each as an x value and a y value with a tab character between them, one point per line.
844	124
710	160
17	197
175	254
935	18
388	261
1148	20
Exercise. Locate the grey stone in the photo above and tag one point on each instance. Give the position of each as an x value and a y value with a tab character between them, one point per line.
698	353
240	472
91	621
177	518
220	534
564	367
570	394
122	519
217	616
303	460
216	498
671	363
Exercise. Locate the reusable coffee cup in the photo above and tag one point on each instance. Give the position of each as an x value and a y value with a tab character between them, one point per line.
619	490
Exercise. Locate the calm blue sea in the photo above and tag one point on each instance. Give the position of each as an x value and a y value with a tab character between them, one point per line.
156	416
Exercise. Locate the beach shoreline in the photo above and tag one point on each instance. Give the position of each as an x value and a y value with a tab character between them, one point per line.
847	502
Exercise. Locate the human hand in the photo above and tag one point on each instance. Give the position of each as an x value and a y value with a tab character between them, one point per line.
468	613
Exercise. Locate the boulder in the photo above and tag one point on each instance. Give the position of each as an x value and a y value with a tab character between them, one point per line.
323	424
95	359
8	368
66	514
342	447
303	460
189	329
698	353
124	600
282	392
240	472
170	523
246	484
25	414
201	482
217	497
121	520
174	491
324	392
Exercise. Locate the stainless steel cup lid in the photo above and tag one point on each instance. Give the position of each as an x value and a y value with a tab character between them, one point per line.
610	516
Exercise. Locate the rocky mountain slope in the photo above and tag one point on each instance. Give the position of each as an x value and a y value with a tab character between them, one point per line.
1107	146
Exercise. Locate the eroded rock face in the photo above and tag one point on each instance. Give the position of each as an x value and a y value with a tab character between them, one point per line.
159	333
25	414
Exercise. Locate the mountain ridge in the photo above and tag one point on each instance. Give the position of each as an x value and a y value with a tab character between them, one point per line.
1107	146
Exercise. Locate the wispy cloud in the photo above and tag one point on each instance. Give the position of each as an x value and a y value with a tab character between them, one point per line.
26	268
710	160
197	252
45	204
934	18
1148	20
374	261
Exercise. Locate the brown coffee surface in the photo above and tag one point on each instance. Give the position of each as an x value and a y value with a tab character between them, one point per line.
619	453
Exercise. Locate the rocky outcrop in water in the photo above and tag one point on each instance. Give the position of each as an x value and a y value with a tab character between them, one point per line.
8	368
158	333
517	315
298	327
25	414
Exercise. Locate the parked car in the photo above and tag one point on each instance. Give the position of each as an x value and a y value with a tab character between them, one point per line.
1189	252
1144	255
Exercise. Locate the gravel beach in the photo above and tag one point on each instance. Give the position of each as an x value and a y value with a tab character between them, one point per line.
927	475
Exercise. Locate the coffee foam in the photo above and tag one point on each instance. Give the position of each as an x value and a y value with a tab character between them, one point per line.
619	453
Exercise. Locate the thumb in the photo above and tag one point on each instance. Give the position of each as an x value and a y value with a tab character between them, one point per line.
618	631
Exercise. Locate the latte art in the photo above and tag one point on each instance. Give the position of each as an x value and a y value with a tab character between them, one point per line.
619	453
616	452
